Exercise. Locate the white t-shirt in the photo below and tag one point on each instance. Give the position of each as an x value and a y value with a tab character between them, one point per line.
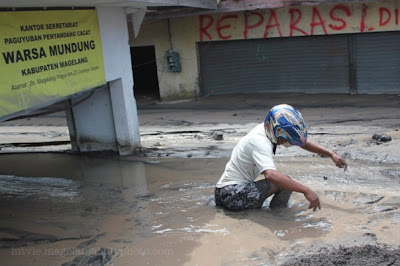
251	156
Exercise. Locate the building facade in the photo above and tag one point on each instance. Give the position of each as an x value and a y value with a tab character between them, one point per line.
349	48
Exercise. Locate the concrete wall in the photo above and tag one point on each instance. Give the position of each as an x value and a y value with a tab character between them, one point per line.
173	85
268	23
108	120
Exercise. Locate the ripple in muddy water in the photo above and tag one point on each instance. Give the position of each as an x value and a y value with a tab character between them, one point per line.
322	173
163	212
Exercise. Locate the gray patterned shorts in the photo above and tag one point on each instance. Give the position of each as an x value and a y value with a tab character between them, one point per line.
250	196
243	196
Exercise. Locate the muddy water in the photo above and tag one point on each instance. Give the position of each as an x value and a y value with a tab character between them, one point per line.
61	208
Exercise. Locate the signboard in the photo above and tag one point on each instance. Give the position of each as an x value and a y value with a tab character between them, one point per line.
47	55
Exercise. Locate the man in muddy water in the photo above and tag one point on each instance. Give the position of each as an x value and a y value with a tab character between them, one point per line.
253	155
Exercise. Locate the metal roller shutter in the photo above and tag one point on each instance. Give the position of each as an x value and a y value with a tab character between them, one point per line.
378	62
317	64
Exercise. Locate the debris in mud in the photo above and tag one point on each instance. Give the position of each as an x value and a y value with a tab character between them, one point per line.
386	208
371	235
218	136
368	255
21	238
390	172
363	198
35	144
381	137
91	241
99	259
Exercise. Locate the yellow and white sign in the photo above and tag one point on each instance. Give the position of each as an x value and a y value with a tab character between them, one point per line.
46	55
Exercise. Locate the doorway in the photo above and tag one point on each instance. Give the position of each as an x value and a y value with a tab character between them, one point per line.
144	69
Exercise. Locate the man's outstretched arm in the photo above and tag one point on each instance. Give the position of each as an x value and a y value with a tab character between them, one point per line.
284	181
316	148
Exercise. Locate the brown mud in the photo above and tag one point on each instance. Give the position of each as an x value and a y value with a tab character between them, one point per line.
158	209
359	255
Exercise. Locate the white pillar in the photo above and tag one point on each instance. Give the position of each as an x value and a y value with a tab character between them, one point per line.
108	120
125	117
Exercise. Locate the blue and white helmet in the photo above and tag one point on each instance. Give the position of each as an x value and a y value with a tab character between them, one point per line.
286	122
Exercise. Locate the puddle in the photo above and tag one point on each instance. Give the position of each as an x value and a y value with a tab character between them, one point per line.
61	208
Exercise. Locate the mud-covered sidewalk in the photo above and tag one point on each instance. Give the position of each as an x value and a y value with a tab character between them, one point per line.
157	208
209	127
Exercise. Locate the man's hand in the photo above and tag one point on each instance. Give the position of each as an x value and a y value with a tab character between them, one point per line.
339	161
285	182
316	148
313	198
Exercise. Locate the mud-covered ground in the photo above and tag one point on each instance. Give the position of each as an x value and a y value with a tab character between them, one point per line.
157	208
